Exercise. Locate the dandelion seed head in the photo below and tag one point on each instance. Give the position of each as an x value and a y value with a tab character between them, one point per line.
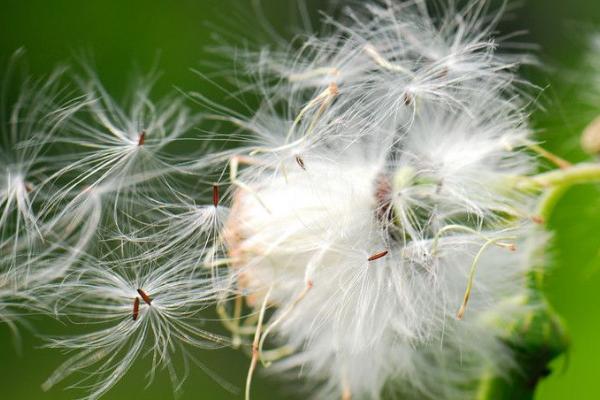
366	246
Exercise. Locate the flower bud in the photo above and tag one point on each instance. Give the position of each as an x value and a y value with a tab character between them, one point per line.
590	139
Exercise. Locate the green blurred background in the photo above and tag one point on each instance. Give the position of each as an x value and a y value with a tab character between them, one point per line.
125	36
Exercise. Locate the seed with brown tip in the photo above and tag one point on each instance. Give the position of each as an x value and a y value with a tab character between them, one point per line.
145	297
463	307
537	219
215	195
141	138
590	139
300	162
377	256
136	308
333	89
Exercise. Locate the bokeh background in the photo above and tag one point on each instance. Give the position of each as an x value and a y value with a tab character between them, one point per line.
122	37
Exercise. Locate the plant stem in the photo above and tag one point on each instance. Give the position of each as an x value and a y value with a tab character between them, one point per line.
577	174
539	336
574	175
535	340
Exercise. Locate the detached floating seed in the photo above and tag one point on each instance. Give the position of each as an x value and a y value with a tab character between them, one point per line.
136	308
145	296
300	162
141	138
215	195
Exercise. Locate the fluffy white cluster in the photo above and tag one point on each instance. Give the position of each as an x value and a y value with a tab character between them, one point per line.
24	132
371	223
91	197
364	216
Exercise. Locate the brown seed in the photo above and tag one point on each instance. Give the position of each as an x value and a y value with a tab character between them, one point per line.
333	89
145	297
408	99
537	219
141	138
377	256
300	162
215	195
136	308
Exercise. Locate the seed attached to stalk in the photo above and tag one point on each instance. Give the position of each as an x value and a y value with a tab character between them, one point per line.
377	255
